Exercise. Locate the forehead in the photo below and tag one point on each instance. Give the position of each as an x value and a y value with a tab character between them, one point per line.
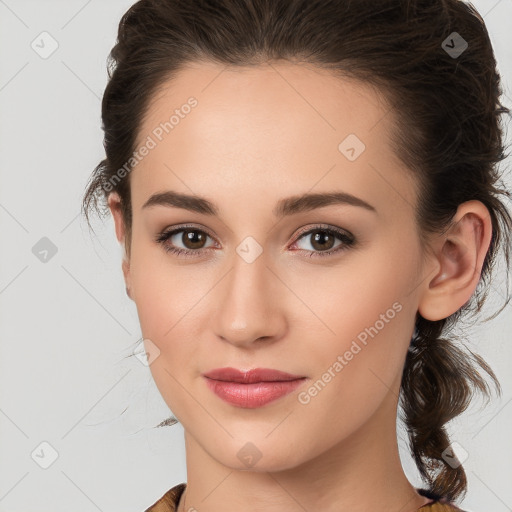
265	92
279	124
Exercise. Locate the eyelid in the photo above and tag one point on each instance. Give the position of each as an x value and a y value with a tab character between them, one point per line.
320	226
327	227
184	227
302	231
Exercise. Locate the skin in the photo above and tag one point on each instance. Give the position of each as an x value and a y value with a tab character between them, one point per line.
256	136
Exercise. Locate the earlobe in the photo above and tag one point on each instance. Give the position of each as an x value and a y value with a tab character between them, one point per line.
127	279
459	254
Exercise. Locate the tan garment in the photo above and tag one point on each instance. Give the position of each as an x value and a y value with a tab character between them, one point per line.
169	502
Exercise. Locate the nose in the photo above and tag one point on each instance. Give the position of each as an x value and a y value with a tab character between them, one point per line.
251	304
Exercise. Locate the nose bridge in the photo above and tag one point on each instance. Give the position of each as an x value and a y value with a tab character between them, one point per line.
247	309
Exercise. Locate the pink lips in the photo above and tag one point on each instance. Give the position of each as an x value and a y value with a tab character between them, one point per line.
253	388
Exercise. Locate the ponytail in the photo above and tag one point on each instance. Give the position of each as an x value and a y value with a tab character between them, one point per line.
438	383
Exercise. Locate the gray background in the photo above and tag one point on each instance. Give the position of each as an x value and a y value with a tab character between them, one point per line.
66	326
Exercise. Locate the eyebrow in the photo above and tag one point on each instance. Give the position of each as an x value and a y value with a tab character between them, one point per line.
284	207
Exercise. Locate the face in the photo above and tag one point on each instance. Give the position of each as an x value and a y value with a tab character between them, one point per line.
326	290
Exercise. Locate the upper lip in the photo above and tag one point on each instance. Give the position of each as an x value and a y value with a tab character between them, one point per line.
250	376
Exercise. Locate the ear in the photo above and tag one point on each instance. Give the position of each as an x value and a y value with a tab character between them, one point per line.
458	255
114	203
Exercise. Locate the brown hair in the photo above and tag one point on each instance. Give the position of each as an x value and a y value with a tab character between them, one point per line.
448	133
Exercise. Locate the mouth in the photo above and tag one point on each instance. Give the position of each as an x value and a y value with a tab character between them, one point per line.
251	389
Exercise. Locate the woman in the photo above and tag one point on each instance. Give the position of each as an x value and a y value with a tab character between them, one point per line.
306	194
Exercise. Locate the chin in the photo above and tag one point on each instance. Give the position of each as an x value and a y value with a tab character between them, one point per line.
259	455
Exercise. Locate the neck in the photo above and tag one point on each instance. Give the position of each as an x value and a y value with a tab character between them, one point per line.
361	473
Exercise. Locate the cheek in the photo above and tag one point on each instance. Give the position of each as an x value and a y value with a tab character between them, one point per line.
165	293
167	306
351	295
354	370
168	301
364	311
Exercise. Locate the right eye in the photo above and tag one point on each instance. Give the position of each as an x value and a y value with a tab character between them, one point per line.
187	235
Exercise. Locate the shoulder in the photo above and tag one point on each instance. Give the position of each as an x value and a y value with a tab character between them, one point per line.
439	503
440	506
169	501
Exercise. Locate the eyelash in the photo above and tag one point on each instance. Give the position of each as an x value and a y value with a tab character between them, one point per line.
347	239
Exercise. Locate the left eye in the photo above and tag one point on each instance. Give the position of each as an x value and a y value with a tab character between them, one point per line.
322	240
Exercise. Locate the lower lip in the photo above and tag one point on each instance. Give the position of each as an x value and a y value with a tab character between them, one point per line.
251	396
